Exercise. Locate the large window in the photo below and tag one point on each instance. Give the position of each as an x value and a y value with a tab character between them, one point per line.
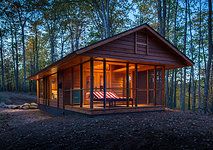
53	87
86	84
67	86
122	87
41	90
116	84
76	91
117	76
159	85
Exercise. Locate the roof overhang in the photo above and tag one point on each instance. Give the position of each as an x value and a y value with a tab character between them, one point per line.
54	67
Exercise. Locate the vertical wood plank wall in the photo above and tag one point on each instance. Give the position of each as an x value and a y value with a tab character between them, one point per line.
37	91
137	46
127	83
105	81
155	78
91	82
147	87
163	87
136	85
60	90
81	85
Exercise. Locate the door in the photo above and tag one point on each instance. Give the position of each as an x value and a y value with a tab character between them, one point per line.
142	87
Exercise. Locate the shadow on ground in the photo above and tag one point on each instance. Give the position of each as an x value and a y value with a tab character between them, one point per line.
33	129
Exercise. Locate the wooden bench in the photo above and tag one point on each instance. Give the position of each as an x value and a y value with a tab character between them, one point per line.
111	98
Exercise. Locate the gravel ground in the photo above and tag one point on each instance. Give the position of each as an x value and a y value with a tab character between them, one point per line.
33	129
17	98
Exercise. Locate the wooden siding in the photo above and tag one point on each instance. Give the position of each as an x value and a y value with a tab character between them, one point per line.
37	92
67	85
138	42
60	90
118	84
53	103
149	50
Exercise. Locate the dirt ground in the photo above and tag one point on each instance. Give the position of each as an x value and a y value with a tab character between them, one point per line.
17	98
33	129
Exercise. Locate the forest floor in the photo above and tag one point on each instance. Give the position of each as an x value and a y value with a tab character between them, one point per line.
16	98
34	129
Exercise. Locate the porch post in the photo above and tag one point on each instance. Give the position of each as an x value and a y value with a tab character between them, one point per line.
71	88
136	85
47	91
81	84
91	82
147	87
38	90
104	71
127	83
163	86
155	75
58	98
44	92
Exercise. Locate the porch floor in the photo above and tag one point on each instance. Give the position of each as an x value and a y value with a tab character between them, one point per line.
112	110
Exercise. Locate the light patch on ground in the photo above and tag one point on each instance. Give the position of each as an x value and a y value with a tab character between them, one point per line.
17	117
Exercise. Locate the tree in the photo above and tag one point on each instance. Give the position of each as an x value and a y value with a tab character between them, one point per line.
108	16
199	59
24	11
210	55
2	32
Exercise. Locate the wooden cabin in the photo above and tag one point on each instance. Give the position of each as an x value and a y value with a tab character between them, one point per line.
122	73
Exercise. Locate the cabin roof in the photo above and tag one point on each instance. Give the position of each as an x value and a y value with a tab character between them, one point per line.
110	39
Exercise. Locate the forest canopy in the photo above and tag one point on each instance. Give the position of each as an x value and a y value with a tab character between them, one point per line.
36	33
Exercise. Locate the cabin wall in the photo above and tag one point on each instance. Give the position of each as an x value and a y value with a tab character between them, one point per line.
37	92
53	90
67	85
118	84
60	90
140	46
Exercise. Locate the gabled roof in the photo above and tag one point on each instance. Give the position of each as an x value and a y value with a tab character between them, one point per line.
117	36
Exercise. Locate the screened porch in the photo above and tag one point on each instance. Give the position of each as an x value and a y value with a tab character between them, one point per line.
105	84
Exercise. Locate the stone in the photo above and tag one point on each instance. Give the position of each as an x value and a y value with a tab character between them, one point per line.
25	106
13	106
33	106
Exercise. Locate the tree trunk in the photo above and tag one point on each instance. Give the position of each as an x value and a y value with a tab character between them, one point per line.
207	75
160	28
52	47
175	89
105	18
175	43
13	56
171	89
36	49
189	91
192	90
17	61
184	69
62	44
24	86
2	62
199	61
164	19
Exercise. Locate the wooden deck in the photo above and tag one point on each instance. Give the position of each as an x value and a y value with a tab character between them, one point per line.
114	110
